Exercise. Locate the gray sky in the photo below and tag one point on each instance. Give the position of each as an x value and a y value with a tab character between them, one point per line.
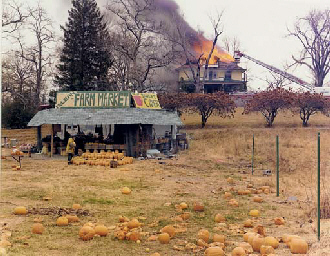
260	26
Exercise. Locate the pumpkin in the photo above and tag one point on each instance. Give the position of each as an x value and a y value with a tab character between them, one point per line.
233	202
298	246
246	236
3	244
89	224
271	241
169	230
134	223
183	205
257	199
185	215
246	246
227	195
201	242
133	236
20	210
125	190
266	249
260	230
290	238
155	254
204	234
248	223
219	218
123	219
198	207
238	251
101	230
250	238
72	218
279	221
257	242
214	251
121	235
76	206
164	238
219	238
62	221
249	185
254	213
86	233
37	228
230	180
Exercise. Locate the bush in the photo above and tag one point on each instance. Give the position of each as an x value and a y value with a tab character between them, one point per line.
15	115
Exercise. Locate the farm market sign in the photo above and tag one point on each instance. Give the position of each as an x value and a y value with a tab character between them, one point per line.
89	99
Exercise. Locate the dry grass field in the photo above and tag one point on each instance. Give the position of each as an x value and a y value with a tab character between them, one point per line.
221	150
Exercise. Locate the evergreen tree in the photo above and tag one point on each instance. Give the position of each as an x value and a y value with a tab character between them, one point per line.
84	60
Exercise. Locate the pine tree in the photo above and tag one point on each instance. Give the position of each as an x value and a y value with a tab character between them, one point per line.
84	60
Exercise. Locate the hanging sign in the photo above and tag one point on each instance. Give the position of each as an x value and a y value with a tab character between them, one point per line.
92	99
146	100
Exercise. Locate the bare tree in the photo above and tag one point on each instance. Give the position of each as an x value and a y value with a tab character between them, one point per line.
313	33
231	44
39	54
139	46
13	16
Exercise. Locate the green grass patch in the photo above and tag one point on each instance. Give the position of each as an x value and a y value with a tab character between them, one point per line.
98	201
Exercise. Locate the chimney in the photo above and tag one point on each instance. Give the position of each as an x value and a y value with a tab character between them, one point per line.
237	57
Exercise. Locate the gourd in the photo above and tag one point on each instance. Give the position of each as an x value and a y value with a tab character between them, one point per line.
169	230
72	218
62	221
219	238
254	213
266	249
219	218
125	190
257	242
134	223
257	199
271	241
204	234
86	233
183	205
101	230
164	238
248	223
133	236
198	207
214	251
76	206
298	246
37	228
20	210
279	221
238	251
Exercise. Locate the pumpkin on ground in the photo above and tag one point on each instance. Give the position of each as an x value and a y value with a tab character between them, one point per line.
134	223
169	230
76	206
185	215
37	228
62	221
279	221
271	241
298	246
219	238
204	234
198	207
257	242
254	213
125	190
238	251
248	223
183	205
20	210
86	233
219	218
72	218
101	230
214	251
164	238
266	249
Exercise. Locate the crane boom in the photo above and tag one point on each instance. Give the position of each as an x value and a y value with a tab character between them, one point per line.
290	77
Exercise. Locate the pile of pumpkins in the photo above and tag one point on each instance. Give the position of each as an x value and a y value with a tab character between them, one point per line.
102	159
127	229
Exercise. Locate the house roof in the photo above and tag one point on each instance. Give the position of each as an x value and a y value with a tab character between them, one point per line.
89	116
220	65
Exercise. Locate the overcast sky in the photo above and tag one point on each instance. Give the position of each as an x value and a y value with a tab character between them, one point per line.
260	26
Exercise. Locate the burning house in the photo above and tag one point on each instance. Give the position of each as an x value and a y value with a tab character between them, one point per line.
222	73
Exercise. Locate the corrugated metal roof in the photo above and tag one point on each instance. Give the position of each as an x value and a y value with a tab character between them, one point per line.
105	116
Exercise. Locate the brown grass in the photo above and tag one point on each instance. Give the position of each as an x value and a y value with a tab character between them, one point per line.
220	150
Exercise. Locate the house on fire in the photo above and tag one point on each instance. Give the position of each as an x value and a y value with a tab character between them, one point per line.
225	76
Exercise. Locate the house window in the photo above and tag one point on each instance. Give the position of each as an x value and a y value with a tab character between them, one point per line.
210	75
215	74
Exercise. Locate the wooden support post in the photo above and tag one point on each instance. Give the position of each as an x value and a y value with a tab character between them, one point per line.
39	137
52	141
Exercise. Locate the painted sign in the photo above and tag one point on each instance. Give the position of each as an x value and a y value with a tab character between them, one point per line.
146	100
92	99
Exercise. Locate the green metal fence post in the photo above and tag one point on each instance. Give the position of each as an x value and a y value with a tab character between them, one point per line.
277	168
318	187
252	152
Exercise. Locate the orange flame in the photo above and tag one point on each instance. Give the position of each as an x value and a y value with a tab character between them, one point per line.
204	46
